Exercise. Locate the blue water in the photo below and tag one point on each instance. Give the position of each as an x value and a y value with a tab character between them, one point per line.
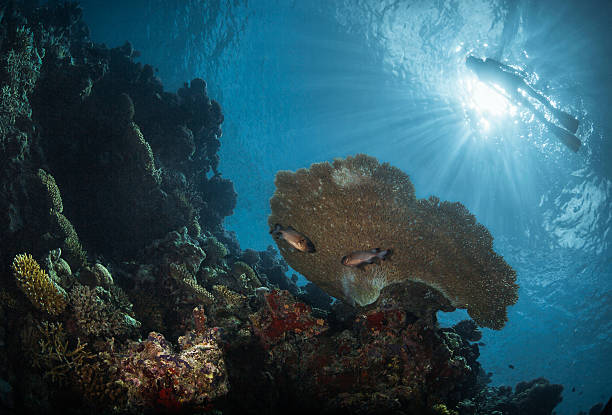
303	82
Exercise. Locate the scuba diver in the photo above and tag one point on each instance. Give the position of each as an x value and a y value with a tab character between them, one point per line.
512	80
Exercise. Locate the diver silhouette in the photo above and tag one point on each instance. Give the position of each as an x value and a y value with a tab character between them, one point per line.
512	81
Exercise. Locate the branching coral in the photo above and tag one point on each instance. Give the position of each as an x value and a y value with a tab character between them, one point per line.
215	251
52	191
178	248
97	381
19	71
245	275
230	299
95	317
358	204
189	284
141	152
55	356
63	228
37	285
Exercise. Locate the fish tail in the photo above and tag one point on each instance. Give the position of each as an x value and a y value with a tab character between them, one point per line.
277	228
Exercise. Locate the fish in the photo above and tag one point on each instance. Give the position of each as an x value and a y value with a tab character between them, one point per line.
360	259
293	238
511	366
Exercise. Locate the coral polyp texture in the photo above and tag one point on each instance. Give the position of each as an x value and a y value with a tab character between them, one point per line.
156	375
359	204
37	285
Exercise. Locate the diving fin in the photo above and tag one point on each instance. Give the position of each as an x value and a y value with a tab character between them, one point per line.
568	121
567	138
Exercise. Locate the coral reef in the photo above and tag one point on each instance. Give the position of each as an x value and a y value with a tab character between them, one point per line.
386	353
272	270
358	204
468	330
20	64
157	376
164	312
93	316
282	316
52	191
246	275
536	397
139	146
55	356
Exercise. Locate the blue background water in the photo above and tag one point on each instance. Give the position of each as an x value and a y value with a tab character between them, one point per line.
303	82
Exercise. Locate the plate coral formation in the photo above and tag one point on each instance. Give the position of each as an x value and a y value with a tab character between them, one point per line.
358	204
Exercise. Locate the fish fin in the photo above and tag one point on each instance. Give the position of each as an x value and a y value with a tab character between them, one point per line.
361	267
277	227
386	254
311	247
375	250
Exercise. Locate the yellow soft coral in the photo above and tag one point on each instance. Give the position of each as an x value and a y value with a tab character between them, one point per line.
358	204
37	285
441	409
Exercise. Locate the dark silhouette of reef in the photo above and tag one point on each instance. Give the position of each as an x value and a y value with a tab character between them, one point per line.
121	293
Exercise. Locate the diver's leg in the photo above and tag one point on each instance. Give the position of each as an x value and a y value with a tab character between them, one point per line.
567	138
567	120
535	94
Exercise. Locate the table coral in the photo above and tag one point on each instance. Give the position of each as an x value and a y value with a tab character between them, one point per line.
358	204
37	285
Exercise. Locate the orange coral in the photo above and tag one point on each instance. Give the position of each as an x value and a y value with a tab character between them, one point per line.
357	204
